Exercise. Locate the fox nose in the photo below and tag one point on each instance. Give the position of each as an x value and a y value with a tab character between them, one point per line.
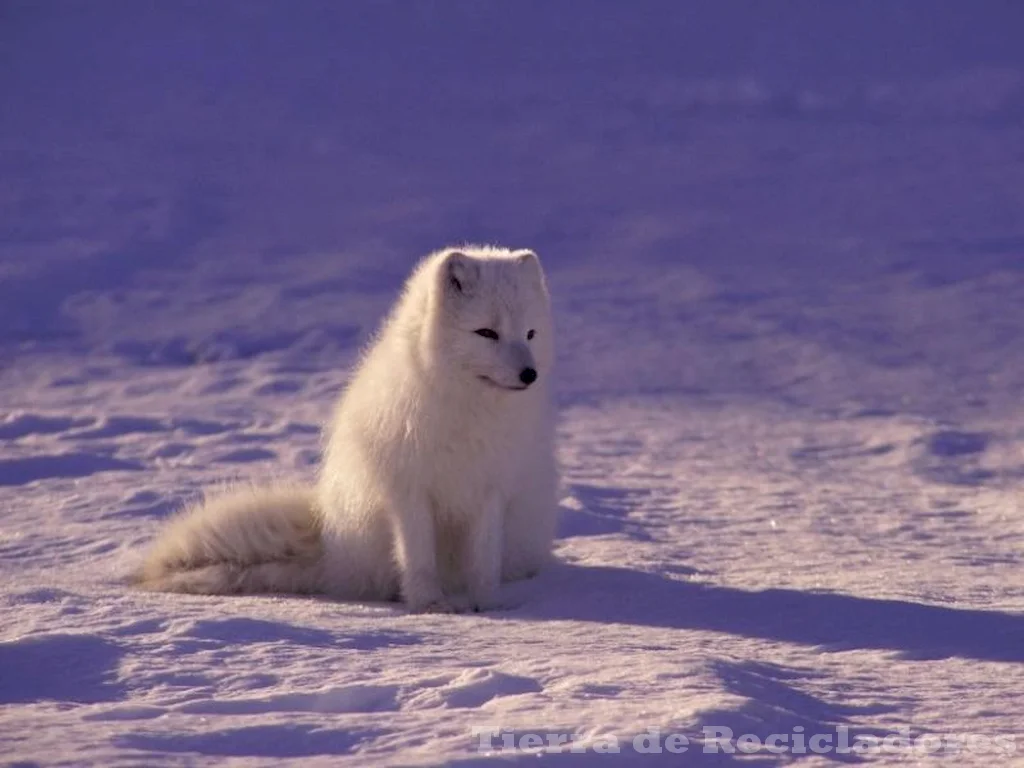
528	376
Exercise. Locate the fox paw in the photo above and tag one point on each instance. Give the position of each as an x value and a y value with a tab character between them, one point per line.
477	603
434	604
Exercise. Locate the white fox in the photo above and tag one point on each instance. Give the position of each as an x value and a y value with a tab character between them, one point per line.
439	478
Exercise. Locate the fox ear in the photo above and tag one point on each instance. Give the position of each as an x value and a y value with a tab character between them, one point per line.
460	273
531	261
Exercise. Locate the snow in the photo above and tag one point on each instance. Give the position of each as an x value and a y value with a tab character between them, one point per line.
786	249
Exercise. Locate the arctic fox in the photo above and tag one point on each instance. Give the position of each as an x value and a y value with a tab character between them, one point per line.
439	478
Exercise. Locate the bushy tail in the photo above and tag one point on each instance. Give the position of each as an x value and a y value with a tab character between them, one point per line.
245	540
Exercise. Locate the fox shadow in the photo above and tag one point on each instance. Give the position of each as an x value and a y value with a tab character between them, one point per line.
610	595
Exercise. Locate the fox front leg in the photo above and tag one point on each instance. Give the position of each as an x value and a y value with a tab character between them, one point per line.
416	557
482	559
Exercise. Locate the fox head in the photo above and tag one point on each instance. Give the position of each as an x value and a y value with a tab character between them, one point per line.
493	317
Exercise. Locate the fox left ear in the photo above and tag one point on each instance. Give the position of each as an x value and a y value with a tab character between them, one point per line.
461	273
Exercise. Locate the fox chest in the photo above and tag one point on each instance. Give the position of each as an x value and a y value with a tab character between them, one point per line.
464	467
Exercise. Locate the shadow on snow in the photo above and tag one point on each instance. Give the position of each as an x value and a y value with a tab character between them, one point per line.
837	622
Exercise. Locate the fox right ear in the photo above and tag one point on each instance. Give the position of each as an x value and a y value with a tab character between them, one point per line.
461	273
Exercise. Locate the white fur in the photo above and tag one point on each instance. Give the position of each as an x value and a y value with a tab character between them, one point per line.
439	478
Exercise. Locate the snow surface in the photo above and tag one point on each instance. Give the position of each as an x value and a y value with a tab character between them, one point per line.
786	246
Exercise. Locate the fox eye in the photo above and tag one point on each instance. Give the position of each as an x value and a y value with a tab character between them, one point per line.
530	334
487	333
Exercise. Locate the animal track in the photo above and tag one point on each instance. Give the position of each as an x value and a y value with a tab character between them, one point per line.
245	455
280	387
286	740
841	451
60	465
18	425
953	457
60	667
953	443
594	511
473	688
347	698
245	631
118	426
